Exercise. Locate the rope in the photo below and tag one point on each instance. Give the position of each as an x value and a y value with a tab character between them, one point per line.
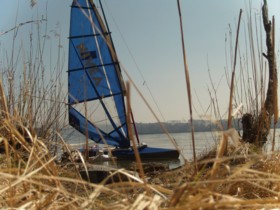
135	63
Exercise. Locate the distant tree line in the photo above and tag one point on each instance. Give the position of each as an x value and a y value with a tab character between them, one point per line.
182	127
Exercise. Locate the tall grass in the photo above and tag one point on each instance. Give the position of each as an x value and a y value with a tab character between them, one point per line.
30	179
253	93
188	80
34	88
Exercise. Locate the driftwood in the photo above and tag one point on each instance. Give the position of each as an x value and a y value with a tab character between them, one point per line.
256	128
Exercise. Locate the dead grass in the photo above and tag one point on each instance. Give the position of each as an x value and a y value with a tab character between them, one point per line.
30	178
252	183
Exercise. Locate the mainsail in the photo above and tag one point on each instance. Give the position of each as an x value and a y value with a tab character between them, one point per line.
95	85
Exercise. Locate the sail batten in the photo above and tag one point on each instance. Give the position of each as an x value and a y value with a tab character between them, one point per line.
81	7
89	35
105	64
94	77
92	99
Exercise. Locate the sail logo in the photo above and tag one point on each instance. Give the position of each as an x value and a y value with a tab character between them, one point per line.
87	56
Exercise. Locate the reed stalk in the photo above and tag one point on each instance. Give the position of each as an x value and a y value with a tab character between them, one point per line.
233	73
188	82
130	134
224	140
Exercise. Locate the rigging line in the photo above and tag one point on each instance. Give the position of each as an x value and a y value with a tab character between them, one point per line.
163	127
96	109
114	58
135	63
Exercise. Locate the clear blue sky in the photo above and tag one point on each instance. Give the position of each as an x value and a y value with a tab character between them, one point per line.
151	31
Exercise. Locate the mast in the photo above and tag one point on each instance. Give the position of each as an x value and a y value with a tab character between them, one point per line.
113	50
121	79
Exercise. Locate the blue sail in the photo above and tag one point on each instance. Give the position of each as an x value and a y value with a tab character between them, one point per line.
95	84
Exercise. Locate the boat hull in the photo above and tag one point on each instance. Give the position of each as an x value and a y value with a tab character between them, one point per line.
145	152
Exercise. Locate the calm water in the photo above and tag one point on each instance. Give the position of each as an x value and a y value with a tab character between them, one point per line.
204	141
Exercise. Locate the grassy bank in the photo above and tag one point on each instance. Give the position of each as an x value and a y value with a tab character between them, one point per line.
31	178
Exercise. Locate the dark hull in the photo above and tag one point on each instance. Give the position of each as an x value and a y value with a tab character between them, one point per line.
146	153
98	173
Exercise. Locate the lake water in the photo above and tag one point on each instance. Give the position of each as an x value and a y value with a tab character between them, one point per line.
204	141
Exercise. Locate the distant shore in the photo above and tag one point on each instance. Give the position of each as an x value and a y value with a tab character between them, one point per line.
184	127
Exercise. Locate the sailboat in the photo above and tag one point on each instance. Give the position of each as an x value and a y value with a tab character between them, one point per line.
96	87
